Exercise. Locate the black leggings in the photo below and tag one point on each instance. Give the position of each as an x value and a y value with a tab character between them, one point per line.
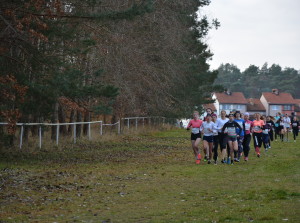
271	137
222	141
295	133
215	148
257	139
246	144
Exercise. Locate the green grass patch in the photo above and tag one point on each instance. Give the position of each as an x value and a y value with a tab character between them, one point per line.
149	177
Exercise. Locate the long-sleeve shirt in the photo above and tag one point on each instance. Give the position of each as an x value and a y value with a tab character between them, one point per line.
220	123
241	122
295	125
266	129
231	127
272	125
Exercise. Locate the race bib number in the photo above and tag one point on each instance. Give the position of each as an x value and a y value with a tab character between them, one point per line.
195	130
231	132
257	128
266	131
247	126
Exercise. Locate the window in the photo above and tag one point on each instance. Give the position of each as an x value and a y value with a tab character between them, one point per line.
275	107
287	107
225	107
238	107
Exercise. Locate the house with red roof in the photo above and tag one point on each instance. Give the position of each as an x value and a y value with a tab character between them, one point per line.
211	106
230	101
255	106
297	107
276	101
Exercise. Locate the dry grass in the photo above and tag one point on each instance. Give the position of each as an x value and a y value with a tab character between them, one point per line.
147	177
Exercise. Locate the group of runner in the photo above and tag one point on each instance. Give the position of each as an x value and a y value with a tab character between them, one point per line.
233	132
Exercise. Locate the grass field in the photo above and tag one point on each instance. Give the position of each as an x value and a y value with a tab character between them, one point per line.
147	178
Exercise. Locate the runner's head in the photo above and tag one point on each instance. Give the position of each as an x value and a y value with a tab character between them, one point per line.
231	116
214	117
295	118
208	111
246	116
208	117
223	114
286	115
263	117
269	118
257	116
237	114
195	114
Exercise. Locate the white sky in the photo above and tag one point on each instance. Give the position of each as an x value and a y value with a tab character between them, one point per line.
255	32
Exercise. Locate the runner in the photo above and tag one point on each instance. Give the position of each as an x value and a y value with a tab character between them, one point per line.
287	124
247	137
231	126
216	138
240	139
207	128
222	137
277	117
266	128
281	128
271	132
257	133
296	127
195	123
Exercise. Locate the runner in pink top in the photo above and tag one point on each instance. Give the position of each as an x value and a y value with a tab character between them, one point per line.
195	125
257	133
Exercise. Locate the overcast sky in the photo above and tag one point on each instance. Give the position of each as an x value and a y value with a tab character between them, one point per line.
255	32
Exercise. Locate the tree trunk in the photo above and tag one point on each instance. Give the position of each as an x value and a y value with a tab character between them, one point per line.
87	118
78	126
62	119
72	118
54	120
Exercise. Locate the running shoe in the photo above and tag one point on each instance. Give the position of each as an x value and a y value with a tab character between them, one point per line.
232	162
197	161
223	161
199	156
208	162
258	155
228	160
266	149
246	159
215	162
205	158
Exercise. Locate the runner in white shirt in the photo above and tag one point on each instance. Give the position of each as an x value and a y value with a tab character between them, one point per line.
207	129
287	124
222	137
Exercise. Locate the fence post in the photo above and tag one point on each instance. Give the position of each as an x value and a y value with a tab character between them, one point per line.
21	136
143	122
57	134
101	128
119	127
74	132
40	136
89	129
128	123
136	123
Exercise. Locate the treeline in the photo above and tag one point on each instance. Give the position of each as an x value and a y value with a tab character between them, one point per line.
254	80
68	60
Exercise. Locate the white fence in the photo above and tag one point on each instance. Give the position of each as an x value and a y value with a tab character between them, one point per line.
160	120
